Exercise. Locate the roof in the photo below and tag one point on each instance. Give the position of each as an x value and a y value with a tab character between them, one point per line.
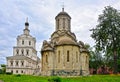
63	14
46	46
19	57
65	40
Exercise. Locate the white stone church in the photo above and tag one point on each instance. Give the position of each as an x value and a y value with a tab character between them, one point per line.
63	55
24	59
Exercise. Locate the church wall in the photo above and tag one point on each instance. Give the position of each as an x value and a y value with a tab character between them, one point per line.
72	57
28	67
27	71
62	64
85	63
29	52
26	42
47	62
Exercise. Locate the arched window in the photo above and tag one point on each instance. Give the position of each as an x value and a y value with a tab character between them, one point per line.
21	71
68	24
58	56
17	52
22	63
63	23
29	42
46	58
86	59
16	63
58	24
22	52
22	42
11	63
76	56
16	71
27	52
68	56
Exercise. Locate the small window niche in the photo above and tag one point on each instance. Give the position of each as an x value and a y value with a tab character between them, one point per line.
29	42
68	56
22	42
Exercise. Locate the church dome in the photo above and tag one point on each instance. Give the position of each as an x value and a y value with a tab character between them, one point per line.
63	13
66	41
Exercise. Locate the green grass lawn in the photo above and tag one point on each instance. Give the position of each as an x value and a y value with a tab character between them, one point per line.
28	78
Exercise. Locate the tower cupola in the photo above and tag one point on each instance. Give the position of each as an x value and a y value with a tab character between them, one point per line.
63	21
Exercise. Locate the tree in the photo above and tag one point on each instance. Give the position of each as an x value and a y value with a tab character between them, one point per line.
3	68
107	34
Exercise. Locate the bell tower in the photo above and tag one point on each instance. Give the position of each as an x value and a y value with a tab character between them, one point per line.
63	21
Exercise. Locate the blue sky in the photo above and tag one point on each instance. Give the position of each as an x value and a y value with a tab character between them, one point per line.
41	15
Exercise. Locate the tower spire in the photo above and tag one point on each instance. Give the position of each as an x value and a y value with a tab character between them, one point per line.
27	19
63	7
26	30
26	23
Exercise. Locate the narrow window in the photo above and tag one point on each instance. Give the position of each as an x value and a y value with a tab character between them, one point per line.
17	52
22	42
27	52
22	71
11	62
67	56
63	23
46	59
58	56
16	63
57	24
76	56
22	63
22	51
68	24
29	42
86	59
16	71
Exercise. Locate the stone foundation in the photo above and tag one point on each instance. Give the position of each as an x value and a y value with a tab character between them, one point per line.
66	73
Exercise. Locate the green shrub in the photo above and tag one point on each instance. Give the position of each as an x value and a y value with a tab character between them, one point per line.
54	79
18	75
0	71
8	73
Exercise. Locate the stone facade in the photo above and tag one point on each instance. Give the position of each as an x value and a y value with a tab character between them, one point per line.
24	59
63	54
